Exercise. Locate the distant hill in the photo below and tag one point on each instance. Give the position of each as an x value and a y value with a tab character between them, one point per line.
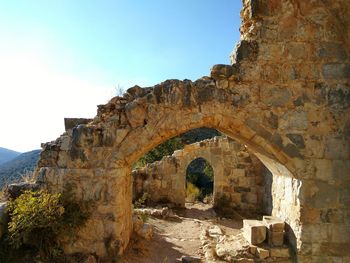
6	155
12	170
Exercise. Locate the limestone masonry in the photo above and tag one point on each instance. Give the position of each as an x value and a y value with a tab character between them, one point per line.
286	96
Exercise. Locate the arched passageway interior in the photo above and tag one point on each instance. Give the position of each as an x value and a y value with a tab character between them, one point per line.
218	170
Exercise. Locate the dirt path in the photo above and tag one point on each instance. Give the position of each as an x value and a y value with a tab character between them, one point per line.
175	238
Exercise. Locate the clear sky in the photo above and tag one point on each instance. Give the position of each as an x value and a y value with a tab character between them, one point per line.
62	58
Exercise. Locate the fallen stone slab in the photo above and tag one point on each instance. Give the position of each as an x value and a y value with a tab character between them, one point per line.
254	231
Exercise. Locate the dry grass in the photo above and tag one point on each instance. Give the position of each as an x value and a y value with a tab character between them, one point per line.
26	177
192	192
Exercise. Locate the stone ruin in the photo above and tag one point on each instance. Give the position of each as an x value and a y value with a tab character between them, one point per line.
238	175
285	95
260	241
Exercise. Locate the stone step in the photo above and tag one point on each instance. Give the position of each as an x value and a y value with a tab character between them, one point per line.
274	224
282	252
254	231
275	238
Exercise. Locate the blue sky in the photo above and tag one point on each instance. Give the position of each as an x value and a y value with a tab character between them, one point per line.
62	58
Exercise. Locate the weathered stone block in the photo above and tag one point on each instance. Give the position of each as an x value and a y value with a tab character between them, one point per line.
336	71
245	50
296	51
339	97
252	249
262	253
297	139
335	249
332	50
275	238
275	96
293	120
337	148
340	233
274	224
323	169
250	198
333	215
223	71
254	231
136	114
292	150
238	172
279	252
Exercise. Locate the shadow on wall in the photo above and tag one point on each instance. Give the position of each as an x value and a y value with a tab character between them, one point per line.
268	205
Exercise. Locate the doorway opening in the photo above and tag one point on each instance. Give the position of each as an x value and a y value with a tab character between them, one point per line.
199	181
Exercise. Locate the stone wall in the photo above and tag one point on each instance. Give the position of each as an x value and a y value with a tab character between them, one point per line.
235	174
286	96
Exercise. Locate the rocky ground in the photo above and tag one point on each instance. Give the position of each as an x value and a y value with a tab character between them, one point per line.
180	235
195	234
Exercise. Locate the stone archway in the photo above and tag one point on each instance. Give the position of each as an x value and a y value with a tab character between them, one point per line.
286	96
237	174
96	158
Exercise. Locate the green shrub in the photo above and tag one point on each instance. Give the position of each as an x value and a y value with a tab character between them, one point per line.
141	202
32	212
38	219
143	215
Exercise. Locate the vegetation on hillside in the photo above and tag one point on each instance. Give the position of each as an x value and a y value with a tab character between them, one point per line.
157	153
13	170
176	143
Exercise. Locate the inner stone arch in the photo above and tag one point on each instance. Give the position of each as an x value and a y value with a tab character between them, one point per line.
239	176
